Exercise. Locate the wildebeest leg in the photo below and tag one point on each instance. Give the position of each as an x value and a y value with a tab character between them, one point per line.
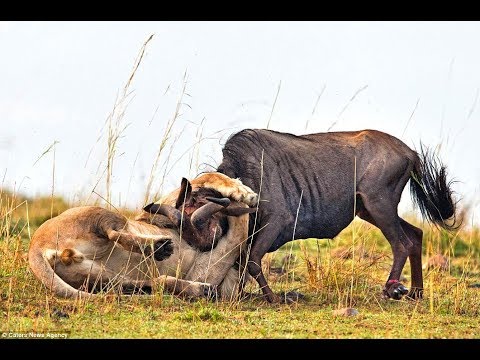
260	247
415	257
380	212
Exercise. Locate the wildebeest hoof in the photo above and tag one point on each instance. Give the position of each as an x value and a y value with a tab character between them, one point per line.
291	297
415	294
394	290
210	291
162	249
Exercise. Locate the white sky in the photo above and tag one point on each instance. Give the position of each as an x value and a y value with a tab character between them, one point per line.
59	81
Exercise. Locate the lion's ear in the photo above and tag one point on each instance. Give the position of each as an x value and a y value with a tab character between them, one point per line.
185	191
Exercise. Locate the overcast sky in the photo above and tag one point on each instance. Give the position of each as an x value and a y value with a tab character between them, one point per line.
59	82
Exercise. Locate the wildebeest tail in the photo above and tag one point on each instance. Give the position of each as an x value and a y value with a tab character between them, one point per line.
431	191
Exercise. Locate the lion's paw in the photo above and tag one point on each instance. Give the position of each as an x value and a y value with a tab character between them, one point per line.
232	188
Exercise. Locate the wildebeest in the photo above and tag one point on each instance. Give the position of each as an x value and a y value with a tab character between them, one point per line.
313	186
89	248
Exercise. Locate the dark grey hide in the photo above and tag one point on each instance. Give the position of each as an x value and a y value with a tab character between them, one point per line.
330	178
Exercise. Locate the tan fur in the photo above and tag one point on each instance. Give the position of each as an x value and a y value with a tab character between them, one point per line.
69	255
92	245
228	187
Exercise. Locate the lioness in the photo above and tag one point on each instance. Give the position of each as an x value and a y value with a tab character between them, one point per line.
89	248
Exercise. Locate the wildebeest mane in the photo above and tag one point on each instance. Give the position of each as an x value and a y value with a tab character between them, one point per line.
246	142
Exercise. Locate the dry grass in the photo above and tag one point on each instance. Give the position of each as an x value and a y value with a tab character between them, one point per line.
348	271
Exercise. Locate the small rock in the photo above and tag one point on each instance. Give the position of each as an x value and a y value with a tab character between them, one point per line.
291	297
438	261
58	313
345	312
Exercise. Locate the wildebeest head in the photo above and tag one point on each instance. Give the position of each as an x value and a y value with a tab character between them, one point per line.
200	214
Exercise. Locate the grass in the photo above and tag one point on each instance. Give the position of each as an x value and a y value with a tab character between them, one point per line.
324	271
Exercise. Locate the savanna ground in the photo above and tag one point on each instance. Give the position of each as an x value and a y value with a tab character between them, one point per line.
327	272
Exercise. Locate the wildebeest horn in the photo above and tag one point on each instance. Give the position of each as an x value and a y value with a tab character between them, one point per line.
204	213
231	209
220	201
173	214
235	210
